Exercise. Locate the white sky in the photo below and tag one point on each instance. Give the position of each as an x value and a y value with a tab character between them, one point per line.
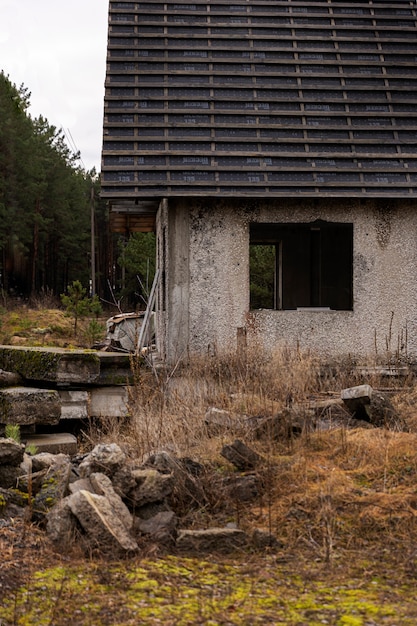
57	49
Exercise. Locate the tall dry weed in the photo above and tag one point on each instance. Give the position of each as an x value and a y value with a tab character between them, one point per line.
323	489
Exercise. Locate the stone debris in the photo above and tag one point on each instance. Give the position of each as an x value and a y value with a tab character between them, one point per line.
151	486
104	458
223	540
11	452
364	403
101	380
103	501
241	456
105	530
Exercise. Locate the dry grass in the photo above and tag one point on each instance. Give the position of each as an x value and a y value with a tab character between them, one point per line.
342	502
24	326
323	491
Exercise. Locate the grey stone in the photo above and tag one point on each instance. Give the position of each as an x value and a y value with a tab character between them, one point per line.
163	461
10	475
14	502
81	483
11	452
161	528
104	458
61	525
9	379
222	540
108	402
102	486
29	405
104	529
29	481
54	487
115	368
123	481
372	406
51	364
44	460
151	486
218	421
241	456
284	425
243	488
356	398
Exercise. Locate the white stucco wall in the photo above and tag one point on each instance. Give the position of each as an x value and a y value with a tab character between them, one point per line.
209	251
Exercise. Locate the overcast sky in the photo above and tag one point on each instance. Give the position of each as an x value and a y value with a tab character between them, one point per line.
57	49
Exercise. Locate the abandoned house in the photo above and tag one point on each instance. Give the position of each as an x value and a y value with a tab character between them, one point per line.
272	146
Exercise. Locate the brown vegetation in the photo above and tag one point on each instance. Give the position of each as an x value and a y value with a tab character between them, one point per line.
341	501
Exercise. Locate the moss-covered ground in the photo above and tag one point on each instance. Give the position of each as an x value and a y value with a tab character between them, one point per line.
243	591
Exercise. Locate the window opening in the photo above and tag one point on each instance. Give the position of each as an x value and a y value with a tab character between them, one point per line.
296	266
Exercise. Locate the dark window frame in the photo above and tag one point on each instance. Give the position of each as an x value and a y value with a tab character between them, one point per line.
307	266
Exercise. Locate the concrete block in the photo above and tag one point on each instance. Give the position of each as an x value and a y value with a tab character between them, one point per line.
108	402
74	404
55	443
29	405
355	398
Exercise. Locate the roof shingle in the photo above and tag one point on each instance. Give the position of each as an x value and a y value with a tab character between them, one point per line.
261	98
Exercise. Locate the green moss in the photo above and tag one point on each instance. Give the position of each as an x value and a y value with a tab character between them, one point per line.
184	592
45	364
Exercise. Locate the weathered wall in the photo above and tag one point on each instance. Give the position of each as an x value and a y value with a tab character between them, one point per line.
208	284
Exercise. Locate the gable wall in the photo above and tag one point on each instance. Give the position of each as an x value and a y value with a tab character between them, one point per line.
207	291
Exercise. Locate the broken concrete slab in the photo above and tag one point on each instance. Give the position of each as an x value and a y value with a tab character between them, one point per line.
96	402
103	526
372	406
218	421
67	367
9	379
51	364
222	540
116	368
104	458
54	486
29	405
54	443
61	525
162	527
241	456
103	486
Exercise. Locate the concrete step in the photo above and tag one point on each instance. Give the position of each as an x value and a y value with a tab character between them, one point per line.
55	443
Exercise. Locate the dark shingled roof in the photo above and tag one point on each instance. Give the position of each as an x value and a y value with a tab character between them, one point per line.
261	98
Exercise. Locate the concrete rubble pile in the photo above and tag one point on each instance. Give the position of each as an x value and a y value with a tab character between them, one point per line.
108	504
